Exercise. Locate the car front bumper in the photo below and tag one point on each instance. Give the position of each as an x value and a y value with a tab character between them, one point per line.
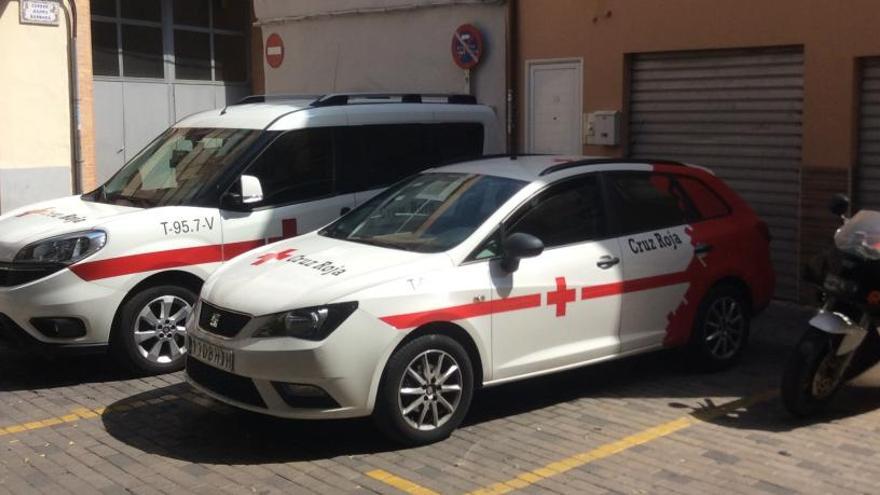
346	367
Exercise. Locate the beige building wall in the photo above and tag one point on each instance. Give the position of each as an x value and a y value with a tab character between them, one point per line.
35	132
834	35
383	46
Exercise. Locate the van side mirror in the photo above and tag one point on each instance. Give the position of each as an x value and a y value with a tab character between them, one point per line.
517	246
251	190
839	204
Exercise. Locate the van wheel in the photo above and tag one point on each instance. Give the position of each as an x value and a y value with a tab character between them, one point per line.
150	336
426	390
721	329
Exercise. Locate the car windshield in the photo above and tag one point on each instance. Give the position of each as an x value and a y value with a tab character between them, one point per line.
176	167
427	213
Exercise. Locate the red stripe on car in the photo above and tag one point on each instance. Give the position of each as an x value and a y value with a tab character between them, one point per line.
463	311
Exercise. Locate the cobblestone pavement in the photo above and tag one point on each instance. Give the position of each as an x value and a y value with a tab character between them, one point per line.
642	425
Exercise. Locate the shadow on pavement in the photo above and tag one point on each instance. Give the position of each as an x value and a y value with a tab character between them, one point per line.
23	370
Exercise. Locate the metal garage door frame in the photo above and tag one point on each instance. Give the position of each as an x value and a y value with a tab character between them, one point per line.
737	111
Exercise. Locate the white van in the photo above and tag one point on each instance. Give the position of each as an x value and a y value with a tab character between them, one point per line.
123	265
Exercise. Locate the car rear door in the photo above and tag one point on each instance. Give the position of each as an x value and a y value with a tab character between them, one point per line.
562	307
650	214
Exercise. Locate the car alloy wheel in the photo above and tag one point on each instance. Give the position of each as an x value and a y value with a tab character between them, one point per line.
160	329
725	328
430	390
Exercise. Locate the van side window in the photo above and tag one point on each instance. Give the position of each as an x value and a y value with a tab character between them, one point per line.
706	201
647	201
298	166
374	156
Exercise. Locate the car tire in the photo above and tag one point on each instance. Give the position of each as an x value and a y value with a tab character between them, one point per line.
414	398
150	335
721	329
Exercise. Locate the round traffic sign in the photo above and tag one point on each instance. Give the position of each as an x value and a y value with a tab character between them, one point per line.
274	50
467	46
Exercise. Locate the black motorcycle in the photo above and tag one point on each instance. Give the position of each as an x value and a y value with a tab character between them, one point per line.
843	335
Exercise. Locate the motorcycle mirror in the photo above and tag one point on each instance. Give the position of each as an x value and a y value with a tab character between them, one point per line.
839	204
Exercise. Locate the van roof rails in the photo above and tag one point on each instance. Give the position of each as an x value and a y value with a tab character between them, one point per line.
338	99
605	161
274	97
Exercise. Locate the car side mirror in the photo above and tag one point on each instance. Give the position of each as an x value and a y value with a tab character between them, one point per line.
517	246
839	204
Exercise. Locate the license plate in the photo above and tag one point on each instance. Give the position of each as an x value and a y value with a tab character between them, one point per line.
212	354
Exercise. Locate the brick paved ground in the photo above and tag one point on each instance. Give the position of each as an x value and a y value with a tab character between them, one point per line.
643	425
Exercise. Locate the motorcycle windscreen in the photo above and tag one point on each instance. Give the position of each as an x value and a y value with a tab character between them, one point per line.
860	236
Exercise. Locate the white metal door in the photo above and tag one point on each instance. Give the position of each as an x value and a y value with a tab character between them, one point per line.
554	108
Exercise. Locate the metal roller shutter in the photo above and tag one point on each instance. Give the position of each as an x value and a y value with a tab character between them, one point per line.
867	185
737	112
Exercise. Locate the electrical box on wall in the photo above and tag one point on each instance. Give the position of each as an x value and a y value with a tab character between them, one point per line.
603	127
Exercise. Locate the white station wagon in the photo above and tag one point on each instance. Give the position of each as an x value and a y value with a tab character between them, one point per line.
477	274
123	264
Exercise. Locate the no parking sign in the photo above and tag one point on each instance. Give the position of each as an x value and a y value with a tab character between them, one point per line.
467	46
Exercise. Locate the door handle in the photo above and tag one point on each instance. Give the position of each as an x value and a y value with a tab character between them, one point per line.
606	262
344	211
702	248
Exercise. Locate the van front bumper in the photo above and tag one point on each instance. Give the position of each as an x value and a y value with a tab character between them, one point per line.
64	296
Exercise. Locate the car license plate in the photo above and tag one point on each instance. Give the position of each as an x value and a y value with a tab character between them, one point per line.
212	354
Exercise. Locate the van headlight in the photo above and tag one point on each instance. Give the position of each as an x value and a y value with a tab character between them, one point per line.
314	323
64	249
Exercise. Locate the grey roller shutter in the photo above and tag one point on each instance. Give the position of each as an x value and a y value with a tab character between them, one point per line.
867	185
738	112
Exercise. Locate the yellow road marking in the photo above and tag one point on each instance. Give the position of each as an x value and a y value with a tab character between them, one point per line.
525	479
80	413
401	484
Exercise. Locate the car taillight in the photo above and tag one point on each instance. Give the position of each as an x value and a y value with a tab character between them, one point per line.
764	230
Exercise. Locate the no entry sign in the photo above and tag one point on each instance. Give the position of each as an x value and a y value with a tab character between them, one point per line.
467	46
274	50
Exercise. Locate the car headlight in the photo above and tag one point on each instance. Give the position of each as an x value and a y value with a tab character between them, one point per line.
314	323
65	249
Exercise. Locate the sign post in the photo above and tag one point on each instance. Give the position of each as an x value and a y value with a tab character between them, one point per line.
467	50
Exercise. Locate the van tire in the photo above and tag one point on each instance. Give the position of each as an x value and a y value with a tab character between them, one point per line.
160	346
399	390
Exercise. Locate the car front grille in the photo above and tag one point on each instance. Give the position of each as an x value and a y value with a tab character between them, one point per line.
221	322
12	274
237	388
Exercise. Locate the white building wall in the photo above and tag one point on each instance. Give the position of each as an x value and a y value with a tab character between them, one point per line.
384	46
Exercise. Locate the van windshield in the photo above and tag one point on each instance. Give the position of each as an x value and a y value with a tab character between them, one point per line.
427	213
175	168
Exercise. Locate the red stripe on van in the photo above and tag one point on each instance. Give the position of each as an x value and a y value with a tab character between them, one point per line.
160	260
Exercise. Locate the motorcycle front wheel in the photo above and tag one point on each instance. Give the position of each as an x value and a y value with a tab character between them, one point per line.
812	374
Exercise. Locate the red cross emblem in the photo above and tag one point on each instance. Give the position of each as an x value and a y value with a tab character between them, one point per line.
283	255
561	296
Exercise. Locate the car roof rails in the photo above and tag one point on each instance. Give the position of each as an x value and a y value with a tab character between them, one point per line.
339	99
605	161
274	97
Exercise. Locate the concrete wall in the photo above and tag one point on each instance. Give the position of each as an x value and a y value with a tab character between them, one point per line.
35	134
383	45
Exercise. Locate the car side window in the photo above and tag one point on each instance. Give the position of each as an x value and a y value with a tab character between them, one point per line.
565	213
647	201
707	202
298	166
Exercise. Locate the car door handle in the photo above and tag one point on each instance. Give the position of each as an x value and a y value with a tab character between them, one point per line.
344	211
606	262
702	248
